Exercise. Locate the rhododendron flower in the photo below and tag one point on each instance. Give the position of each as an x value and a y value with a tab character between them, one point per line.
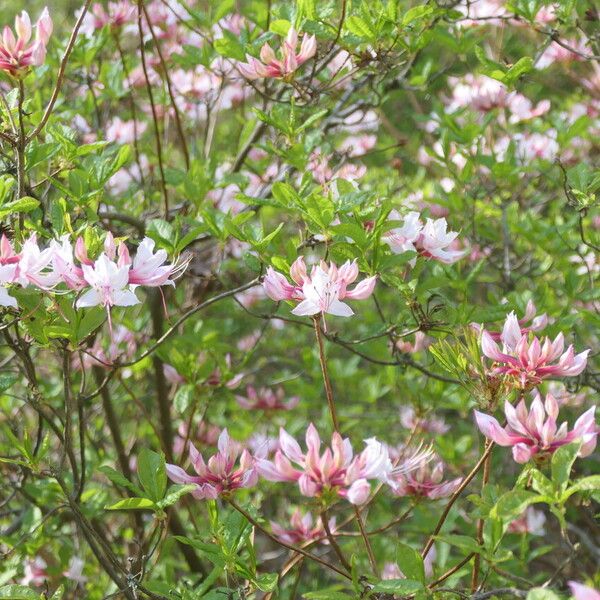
63	263
7	276
109	285
337	470
35	572
320	292
302	529
536	323
531	521
529	362
430	240
17	55
583	592
410	420
33	265
270	66
266	399
148	267
75	570
426	481
535	434
219	476
116	15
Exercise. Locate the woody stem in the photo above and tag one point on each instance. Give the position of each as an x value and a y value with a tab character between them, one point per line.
325	372
365	537
480	522
333	542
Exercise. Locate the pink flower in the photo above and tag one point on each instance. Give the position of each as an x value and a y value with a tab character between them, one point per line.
302	529
148	267
529	362
219	476
531	521
34	265
124	132
430	240
109	285
535	434
75	570
118	14
583	592
17	55
322	291
556	53
410	420
64	265
34	572
425	482
270	66
266	399
536	323
336	470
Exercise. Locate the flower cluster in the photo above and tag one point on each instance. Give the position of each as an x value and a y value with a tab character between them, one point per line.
266	399
291	59
320	292
108	281
219	475
18	54
430	239
534	434
337	470
529	361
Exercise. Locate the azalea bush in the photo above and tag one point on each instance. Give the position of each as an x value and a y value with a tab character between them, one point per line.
299	299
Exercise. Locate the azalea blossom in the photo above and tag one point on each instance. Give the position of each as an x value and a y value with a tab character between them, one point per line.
270	66
583	592
410	420
116	15
531	321
425	481
148	268
534	433
320	292
35	572
531	521
34	265
530	361
219	476
430	240
337	470
75	570
18	54
302	529
109	285
266	399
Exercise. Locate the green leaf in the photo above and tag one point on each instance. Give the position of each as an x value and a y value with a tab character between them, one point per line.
174	493
511	504
542	594
562	463
398	586
132	504
280	27
410	562
359	27
464	542
331	594
152	474
415	13
266	582
119	479
18	592
7	380
22	205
